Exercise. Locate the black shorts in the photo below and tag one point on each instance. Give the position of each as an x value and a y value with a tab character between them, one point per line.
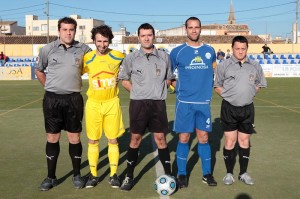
149	114
63	112
237	118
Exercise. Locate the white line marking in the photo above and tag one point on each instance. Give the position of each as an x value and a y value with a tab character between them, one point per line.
159	170
8	111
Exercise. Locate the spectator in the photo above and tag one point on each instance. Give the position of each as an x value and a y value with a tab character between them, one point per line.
220	55
266	50
228	54
3	58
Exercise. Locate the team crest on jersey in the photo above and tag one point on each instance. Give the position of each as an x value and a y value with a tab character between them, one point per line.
208	55
77	61
112	66
196	60
251	77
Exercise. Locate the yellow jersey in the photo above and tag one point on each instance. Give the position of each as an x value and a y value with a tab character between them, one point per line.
103	73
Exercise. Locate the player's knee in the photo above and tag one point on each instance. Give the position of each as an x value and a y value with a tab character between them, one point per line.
184	137
93	141
229	144
244	143
161	142
160	139
112	141
74	138
135	140
53	138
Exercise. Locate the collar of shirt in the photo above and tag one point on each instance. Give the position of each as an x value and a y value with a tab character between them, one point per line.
154	52
235	61
58	43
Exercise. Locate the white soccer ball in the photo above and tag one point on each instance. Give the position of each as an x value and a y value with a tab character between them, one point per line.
165	185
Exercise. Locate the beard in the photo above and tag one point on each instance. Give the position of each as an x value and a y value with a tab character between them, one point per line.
193	39
102	50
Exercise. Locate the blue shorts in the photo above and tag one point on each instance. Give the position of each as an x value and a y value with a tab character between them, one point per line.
190	116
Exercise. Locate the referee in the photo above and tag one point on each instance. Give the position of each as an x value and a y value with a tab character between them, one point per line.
146	73
237	80
62	103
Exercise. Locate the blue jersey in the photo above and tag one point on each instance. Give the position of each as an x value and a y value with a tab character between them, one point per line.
195	72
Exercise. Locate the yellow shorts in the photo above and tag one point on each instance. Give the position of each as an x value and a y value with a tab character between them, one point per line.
104	116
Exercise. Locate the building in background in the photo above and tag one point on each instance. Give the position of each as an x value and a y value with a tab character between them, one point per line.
231	28
11	28
118	36
34	26
266	37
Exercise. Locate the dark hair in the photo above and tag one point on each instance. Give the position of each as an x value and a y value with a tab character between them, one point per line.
192	18
104	30
146	26
67	20
240	39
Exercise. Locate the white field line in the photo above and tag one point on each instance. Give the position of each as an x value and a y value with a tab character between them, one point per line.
17	108
159	170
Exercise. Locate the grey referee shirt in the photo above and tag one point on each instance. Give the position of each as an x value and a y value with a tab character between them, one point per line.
64	66
148	74
239	80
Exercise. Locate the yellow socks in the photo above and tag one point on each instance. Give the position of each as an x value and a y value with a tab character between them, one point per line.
113	156
93	156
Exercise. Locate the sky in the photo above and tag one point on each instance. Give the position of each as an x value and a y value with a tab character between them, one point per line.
273	17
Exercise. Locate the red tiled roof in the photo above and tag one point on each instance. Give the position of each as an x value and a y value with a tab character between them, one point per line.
8	22
213	39
25	39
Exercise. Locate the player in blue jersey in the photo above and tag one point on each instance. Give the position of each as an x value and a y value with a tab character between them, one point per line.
194	62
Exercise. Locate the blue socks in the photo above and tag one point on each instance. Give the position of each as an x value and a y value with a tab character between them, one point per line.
182	153
205	156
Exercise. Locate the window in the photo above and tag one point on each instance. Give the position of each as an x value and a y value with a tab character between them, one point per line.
81	27
35	28
44	27
53	28
82	38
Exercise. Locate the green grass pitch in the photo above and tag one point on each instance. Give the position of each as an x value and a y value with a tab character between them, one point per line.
274	161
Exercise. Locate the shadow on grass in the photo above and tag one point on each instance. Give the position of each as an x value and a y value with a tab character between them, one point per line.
123	145
147	148
214	137
243	196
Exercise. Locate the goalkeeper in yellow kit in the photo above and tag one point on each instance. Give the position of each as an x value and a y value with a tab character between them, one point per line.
103	112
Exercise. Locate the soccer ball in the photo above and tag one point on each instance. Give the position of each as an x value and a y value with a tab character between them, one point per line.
165	185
